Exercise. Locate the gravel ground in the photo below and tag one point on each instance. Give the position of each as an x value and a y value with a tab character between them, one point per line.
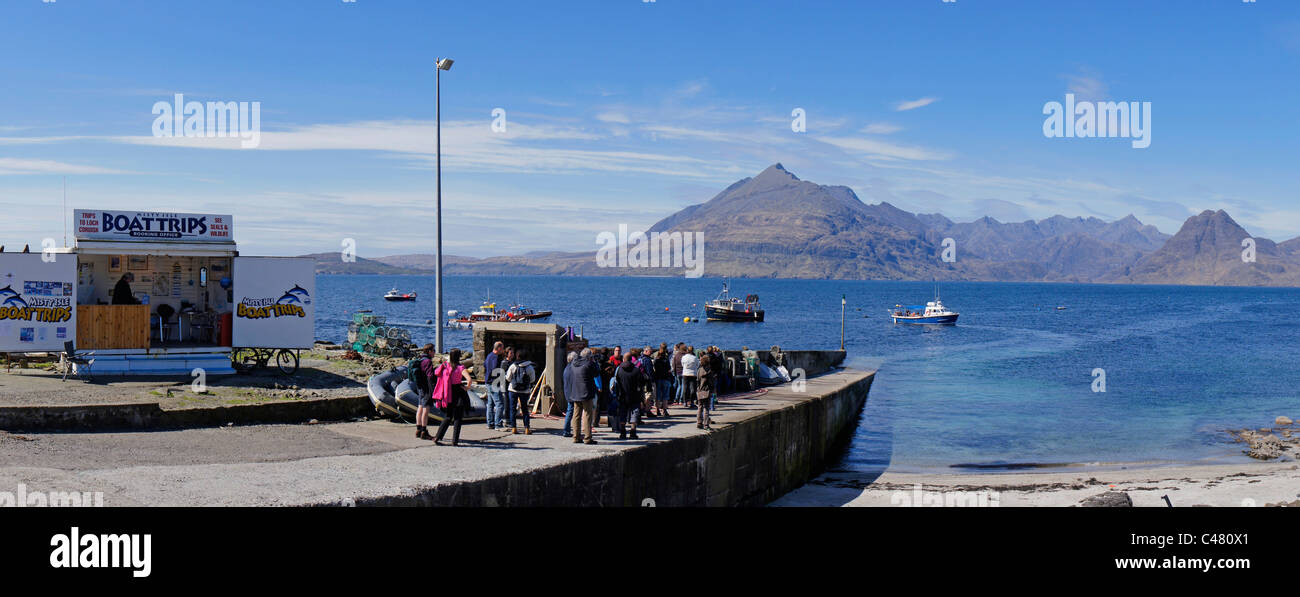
259	443
317	377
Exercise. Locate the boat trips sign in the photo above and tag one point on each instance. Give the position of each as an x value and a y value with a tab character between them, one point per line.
38	302
102	224
275	302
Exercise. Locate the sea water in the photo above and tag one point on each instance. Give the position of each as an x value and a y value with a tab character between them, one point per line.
1012	384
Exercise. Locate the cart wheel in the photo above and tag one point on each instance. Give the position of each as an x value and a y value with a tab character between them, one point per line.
244	359
287	361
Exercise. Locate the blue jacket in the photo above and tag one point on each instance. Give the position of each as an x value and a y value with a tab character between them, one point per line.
490	364
564	379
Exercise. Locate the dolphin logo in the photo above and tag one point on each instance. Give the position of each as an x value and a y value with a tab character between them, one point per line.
10	298
297	294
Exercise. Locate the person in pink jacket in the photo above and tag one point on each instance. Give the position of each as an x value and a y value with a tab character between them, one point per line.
451	394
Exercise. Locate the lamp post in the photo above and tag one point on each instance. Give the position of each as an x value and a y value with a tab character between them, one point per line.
843	302
443	64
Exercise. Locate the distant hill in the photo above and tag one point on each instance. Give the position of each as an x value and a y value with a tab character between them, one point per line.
423	261
333	263
776	225
1208	250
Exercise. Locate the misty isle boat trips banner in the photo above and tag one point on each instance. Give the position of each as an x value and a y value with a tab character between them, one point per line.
92	224
38	310
275	302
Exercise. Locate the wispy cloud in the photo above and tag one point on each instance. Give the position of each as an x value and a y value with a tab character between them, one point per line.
881	128
904	106
17	166
613	116
872	148
1086	85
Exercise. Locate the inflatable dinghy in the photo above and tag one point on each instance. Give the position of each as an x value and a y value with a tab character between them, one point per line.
383	391
766	376
393	395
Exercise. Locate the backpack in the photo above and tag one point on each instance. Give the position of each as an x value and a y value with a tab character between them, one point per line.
663	368
520	375
415	373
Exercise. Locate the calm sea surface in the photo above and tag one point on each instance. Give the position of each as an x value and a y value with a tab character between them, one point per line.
1010	384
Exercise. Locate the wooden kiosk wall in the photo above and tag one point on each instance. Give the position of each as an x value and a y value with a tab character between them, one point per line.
112	326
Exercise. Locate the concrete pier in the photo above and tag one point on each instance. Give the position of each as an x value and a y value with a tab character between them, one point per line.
762	447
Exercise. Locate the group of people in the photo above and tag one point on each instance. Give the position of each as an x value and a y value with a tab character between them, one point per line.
644	382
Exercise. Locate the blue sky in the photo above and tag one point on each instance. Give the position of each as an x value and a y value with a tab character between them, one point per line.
623	111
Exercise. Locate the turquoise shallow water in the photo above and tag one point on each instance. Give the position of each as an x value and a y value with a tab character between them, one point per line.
1011	384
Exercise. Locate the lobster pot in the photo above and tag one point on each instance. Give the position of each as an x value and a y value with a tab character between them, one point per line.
367	319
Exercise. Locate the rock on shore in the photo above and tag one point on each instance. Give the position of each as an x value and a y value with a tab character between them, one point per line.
1264	444
1109	499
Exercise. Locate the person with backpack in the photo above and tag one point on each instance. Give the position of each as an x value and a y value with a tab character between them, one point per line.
690	367
605	403
708	383
507	403
451	394
521	377
418	373
663	380
631	391
644	363
494	378
679	350
721	379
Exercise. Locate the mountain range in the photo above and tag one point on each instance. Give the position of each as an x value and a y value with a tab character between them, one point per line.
776	225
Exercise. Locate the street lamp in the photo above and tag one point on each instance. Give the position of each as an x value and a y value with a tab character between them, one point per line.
843	302
443	64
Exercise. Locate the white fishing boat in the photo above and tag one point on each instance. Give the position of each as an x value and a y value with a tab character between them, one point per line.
932	312
395	295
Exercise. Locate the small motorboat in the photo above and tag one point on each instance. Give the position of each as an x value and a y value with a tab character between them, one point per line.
394	295
487	312
522	313
728	308
932	312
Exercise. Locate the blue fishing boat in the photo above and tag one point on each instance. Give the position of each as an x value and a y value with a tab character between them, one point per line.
932	312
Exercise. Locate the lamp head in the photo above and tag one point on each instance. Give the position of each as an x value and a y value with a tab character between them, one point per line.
445	64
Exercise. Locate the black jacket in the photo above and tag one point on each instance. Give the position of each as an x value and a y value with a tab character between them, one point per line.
631	381
122	294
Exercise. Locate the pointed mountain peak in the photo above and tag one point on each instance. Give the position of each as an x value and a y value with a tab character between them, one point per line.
1210	219
776	172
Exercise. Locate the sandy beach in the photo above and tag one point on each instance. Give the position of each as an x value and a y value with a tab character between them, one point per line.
1234	485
